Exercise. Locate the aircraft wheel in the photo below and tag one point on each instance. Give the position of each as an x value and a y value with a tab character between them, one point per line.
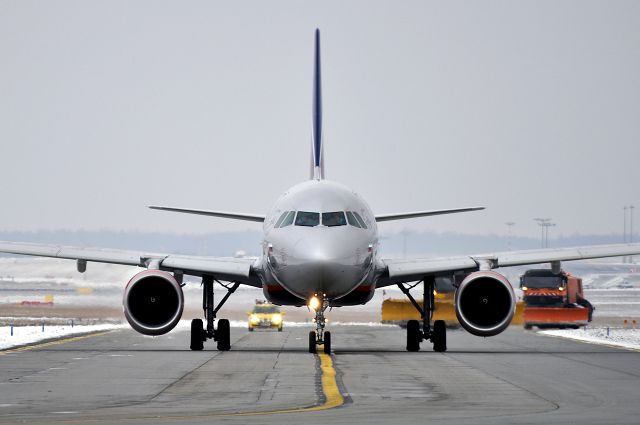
312	342
327	342
250	329
197	335
439	336
280	329
413	335
223	335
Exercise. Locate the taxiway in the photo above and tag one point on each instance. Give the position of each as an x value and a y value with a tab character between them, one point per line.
269	378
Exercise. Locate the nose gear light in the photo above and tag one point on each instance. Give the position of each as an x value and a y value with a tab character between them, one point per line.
314	303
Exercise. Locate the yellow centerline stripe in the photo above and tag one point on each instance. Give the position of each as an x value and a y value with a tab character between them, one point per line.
329	384
50	343
333	397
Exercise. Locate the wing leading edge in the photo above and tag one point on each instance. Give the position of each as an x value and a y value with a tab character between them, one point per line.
221	214
228	269
414	214
416	269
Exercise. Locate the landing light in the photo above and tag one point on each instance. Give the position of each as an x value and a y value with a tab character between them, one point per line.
314	303
524	288
561	288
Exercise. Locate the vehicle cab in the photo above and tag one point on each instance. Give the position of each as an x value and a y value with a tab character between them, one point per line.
543	287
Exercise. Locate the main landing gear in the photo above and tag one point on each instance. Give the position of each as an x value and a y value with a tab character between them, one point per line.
438	334
320	336
222	334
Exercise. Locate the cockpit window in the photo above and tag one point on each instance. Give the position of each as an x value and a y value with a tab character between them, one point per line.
309	219
360	220
281	219
289	220
352	220
331	219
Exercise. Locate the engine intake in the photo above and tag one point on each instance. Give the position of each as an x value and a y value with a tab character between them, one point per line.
153	302
485	303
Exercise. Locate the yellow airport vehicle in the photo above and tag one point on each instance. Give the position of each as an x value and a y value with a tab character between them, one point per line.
400	311
265	315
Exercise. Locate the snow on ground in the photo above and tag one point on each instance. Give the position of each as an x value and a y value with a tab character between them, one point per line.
619	337
23	335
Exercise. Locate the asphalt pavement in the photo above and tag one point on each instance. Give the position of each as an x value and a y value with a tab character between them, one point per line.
268	377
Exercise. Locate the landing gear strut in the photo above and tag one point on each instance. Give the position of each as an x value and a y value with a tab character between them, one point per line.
320	336
438	334
222	334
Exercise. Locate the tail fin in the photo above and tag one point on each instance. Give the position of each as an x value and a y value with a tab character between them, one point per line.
317	155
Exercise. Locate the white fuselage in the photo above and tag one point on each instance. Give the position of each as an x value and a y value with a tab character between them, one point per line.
315	241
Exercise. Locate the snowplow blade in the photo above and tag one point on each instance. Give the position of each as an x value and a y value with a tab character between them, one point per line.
556	316
518	315
399	311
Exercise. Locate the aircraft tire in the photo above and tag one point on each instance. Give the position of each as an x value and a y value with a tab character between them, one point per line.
439	336
413	335
327	342
223	335
197	335
312	342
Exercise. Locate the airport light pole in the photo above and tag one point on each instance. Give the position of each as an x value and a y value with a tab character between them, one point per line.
542	223
624	228
509	226
624	234
546	228
628	238
631	207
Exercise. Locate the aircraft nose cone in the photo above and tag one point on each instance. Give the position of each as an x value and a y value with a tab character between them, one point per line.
323	264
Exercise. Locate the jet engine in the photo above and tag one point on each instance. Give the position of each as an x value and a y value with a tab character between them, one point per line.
485	303
153	302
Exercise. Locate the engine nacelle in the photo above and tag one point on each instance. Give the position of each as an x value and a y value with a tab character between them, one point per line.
153	302
485	303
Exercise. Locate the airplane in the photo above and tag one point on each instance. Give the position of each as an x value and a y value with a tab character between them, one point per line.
319	249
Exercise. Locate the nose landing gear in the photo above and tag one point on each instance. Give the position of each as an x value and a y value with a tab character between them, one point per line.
319	337
438	334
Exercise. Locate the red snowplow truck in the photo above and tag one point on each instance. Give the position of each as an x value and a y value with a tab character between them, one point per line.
554	300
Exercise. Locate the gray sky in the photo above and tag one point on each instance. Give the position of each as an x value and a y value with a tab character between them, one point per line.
529	108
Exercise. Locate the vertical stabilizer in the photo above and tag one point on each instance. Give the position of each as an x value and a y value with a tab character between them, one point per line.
317	155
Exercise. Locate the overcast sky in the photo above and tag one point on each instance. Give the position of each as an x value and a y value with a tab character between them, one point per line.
528	108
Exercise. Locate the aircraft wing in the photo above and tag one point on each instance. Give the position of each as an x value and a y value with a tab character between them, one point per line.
411	270
223	268
221	214
414	214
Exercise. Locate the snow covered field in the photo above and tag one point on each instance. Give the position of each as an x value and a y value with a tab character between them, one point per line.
23	335
618	337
